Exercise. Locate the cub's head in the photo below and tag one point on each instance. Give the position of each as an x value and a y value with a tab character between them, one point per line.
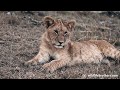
58	31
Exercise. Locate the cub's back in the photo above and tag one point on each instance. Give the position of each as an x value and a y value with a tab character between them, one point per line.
106	48
102	44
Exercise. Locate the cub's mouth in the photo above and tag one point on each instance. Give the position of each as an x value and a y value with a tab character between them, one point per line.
59	45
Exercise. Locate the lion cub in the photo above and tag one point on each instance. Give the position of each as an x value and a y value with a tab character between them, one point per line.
56	43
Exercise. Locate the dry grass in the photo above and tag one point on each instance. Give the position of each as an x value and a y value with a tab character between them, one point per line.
19	42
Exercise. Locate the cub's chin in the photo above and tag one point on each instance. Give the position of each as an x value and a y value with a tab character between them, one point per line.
57	46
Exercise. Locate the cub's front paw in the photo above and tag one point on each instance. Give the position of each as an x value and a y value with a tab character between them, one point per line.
48	68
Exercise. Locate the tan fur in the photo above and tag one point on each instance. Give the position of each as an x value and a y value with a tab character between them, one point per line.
69	52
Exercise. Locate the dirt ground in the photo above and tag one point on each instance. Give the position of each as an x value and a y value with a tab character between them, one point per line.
19	42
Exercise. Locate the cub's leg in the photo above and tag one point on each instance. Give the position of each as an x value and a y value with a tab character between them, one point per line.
55	64
41	57
107	49
113	53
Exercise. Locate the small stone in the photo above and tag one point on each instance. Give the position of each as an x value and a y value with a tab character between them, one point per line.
30	74
8	13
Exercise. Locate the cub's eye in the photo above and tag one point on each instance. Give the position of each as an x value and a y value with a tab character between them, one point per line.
56	31
65	33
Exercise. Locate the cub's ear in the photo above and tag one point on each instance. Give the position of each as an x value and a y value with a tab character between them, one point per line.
71	24
48	21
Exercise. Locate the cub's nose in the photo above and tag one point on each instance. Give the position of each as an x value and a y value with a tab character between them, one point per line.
60	42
